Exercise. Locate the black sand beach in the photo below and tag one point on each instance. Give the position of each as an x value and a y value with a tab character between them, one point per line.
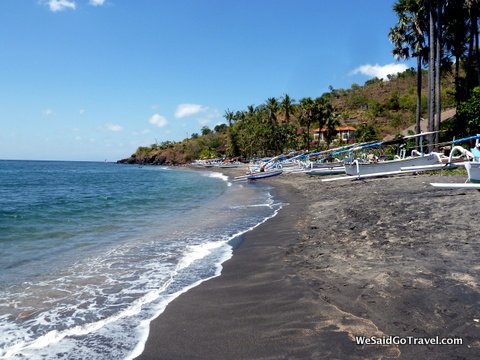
366	258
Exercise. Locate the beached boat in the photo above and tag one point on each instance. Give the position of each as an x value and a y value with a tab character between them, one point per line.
472	167
358	168
264	174
473	170
456	186
326	170
473	181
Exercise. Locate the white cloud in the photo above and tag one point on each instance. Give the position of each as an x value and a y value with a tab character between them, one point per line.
209	116
185	110
47	113
204	121
113	127
158	120
96	2
59	5
380	71
143	132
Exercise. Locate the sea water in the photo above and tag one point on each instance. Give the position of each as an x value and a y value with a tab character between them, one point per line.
90	253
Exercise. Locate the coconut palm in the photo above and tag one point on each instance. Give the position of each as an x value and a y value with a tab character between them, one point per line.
408	38
330	126
272	106
306	107
456	29
287	107
230	116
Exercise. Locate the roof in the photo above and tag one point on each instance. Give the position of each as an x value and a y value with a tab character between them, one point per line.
338	128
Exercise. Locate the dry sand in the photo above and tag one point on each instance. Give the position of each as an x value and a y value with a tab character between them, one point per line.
373	258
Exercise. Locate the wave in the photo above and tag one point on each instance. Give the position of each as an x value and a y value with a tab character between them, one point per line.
100	304
217	175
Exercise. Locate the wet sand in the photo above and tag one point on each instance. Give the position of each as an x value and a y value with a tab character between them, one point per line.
364	258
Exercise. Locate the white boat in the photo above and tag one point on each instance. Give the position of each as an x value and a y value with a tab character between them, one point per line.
263	174
473	171
456	186
331	170
473	181
473	168
357	168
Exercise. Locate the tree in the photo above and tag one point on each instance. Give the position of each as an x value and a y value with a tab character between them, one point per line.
408	38
322	111
220	128
327	119
366	133
306	117
232	136
287	107
205	130
272	106
467	120
455	39
229	116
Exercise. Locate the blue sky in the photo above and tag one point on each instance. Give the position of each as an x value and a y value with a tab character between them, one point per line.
95	79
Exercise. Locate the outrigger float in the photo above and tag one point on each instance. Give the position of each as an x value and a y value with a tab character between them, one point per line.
472	166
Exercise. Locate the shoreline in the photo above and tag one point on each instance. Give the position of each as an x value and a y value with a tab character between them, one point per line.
339	261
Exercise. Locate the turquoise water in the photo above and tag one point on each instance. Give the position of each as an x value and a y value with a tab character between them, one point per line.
90	253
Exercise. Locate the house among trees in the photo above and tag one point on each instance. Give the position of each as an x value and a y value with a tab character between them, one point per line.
344	133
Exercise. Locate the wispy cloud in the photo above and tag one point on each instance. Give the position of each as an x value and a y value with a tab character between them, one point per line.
60	5
96	2
208	116
380	71
46	113
82	111
186	110
158	120
143	132
113	127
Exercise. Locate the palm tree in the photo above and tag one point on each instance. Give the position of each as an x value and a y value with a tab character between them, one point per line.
232	136
229	116
322	109
286	107
272	106
408	38
431	69
331	124
306	118
456	28
472	8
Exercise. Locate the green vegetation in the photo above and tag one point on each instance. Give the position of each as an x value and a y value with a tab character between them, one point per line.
441	36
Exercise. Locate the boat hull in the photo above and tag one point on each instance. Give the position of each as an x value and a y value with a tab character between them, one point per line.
263	175
473	170
456	186
326	171
355	169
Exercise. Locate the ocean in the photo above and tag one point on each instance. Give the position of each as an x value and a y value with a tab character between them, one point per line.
91	253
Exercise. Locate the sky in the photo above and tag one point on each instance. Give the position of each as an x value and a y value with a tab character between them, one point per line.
95	79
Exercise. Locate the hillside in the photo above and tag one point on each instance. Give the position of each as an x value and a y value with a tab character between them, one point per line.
389	106
385	107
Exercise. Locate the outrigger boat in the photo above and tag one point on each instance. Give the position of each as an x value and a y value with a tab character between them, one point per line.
472	167
327	170
264	174
360	169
